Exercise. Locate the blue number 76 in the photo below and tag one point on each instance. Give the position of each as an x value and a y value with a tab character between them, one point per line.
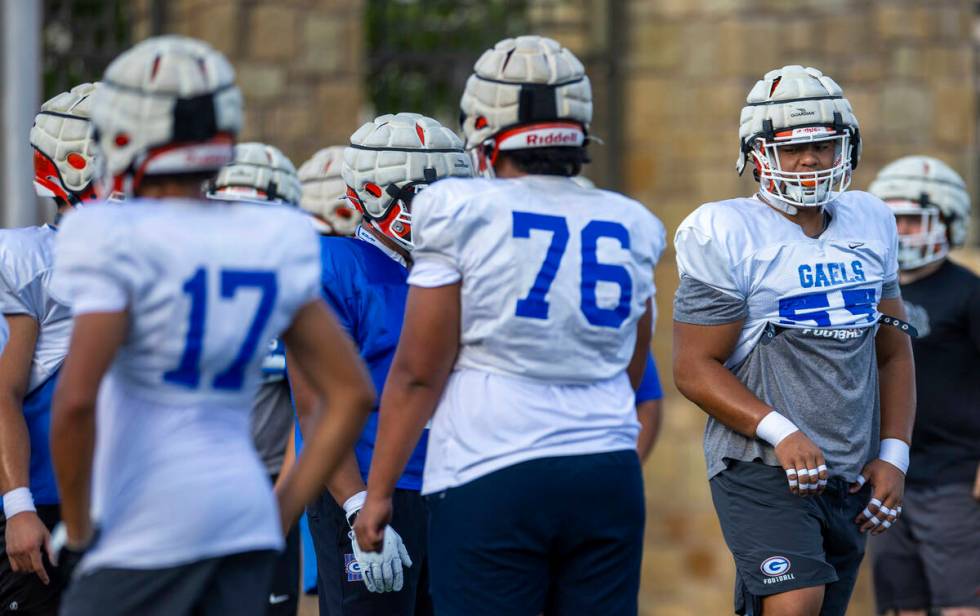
535	304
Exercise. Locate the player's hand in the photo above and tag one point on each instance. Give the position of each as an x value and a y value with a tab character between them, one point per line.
383	570
887	490
63	556
26	535
806	470
371	521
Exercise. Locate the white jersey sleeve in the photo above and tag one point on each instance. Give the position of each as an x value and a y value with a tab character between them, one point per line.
26	269
435	235
96	266
704	244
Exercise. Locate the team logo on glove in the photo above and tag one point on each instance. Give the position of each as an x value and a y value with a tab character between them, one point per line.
353	568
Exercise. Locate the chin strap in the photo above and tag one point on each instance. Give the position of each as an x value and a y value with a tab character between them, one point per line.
773	201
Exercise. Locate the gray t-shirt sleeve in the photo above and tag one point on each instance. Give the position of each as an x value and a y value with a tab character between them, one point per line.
700	304
890	289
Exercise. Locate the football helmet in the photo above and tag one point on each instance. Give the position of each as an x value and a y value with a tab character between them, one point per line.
259	172
929	188
392	158
794	105
526	92
167	106
325	194
65	157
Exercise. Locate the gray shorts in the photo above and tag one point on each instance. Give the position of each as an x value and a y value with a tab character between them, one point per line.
931	558
235	584
784	542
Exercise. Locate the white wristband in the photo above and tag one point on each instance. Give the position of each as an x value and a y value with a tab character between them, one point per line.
17	501
895	452
774	427
353	504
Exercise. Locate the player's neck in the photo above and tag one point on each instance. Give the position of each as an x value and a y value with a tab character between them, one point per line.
910	276
813	220
505	169
170	188
389	243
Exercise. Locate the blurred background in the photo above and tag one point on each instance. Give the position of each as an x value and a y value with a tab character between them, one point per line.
669	79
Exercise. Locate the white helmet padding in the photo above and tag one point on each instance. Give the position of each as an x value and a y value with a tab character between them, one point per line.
64	151
791	106
168	105
927	187
392	158
259	172
526	92
324	192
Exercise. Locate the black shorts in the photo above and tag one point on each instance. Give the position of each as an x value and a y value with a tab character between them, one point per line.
24	593
284	593
558	536
341	588
931	558
784	542
234	584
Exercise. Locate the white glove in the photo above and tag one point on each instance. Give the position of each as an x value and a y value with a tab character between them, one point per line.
382	570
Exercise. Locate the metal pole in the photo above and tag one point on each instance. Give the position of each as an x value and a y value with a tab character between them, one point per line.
20	71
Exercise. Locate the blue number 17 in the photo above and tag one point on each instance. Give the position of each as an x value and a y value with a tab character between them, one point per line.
188	372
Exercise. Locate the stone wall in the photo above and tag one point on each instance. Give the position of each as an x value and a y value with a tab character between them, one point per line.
299	63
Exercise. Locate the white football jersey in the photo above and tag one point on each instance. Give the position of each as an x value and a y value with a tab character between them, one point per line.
26	257
555	277
207	286
747	250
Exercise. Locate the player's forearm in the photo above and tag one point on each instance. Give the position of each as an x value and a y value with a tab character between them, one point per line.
329	439
896	377
707	383
347	481
72	449
406	405
15	445
648	413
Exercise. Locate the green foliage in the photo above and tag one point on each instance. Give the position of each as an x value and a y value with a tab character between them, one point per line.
80	37
420	52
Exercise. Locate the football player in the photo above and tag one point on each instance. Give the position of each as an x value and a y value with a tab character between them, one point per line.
783	334
175	300
40	325
526	330
932	559
325	194
261	173
389	161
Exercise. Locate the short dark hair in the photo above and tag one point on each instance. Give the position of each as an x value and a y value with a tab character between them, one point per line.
564	161
200	178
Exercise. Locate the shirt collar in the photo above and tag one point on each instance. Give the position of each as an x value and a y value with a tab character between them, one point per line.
366	236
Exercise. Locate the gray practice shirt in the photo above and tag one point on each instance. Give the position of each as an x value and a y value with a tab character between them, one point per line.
823	380
272	420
